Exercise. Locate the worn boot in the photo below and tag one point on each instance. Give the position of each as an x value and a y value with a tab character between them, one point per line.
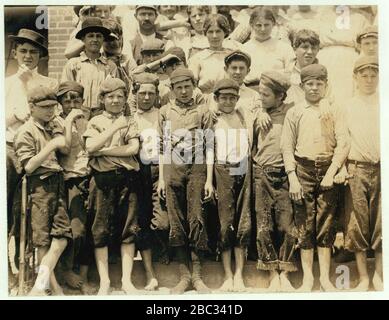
197	282
184	283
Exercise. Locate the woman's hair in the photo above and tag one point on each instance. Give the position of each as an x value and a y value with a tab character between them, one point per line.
262	12
217	20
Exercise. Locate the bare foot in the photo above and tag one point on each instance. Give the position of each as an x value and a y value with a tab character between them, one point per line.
87	289
200	287
286	286
72	279
152	285
181	287
38	292
227	286
326	285
128	287
104	288
239	284
275	284
307	285
362	286
377	282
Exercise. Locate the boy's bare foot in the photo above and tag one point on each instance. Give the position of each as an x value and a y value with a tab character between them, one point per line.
286	286
104	288
307	285
227	286
72	279
275	284
87	289
377	282
200	287
239	284
363	285
39	292
181	287
128	287
326	285
152	285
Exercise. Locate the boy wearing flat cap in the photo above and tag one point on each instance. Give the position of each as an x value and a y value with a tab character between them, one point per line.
28	48
152	217
275	233
187	168
232	182
90	69
112	141
77	176
367	41
314	148
363	190
36	143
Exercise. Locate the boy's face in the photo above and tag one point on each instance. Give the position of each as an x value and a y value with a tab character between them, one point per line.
71	100
306	54
367	80
113	47
102	12
262	28
268	98
146	96
369	46
183	90
150	56
168	11
146	18
93	41
197	19
27	54
114	101
237	70
43	114
226	102
315	90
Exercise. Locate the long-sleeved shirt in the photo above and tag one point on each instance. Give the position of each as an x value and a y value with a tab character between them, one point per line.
363	123
90	74
266	145
16	104
306	135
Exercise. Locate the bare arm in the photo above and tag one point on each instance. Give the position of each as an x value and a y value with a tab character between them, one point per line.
130	149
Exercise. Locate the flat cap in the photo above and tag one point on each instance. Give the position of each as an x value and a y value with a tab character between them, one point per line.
70	86
238	54
275	80
181	74
42	96
152	45
226	86
146	7
370	31
365	62
313	71
146	77
112	84
178	52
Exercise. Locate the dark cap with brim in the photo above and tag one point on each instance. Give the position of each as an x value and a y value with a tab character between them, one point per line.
275	80
365	62
238	54
181	74
146	7
93	24
33	37
313	71
226	86
42	96
370	31
67	86
112	84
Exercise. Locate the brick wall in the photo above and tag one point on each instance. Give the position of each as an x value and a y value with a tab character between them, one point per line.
60	26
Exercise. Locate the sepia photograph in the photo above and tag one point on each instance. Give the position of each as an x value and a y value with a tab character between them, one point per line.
192	149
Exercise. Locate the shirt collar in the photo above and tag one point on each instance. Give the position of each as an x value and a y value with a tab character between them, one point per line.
188	104
111	116
84	57
140	111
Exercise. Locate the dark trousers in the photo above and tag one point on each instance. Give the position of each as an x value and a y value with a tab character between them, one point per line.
276	232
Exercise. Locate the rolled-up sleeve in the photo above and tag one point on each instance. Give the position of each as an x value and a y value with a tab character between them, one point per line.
24	145
289	140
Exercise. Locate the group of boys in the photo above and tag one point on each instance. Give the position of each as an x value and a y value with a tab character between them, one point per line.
103	176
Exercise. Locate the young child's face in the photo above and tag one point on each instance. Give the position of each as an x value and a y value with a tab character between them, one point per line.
237	70
262	28
315	90
168	11
197	19
43	114
150	56
93	41
226	102
268	98
367	80
146	96
369	46
114	101
71	100
306	54
215	36
27	54
113	47
183	90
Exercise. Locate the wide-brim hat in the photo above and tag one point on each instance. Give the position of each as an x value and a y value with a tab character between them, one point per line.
32	37
92	24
